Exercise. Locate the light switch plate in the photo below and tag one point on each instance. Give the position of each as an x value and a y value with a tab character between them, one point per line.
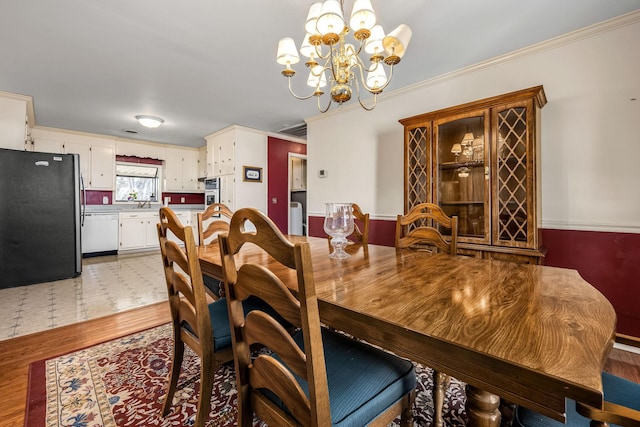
105	200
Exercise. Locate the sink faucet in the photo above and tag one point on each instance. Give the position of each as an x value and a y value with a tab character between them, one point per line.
142	204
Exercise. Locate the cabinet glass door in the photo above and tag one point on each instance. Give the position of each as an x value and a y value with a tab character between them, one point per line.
512	225
462	168
417	166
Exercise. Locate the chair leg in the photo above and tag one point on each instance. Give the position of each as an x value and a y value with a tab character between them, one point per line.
406	417
440	384
176	364
206	389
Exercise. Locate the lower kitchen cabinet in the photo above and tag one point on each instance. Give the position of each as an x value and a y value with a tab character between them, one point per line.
138	230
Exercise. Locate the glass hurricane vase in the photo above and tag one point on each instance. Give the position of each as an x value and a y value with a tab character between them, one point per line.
338	223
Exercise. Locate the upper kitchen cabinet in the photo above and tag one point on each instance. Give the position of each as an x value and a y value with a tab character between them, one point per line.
239	156
480	162
140	149
181	169
97	163
202	163
220	149
97	155
16	121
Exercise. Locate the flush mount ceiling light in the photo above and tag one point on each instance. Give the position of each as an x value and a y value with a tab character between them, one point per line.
326	42
149	121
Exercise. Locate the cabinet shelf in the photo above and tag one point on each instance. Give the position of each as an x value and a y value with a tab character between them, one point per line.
455	165
462	202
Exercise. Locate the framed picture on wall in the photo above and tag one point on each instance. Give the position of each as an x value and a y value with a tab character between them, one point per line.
251	174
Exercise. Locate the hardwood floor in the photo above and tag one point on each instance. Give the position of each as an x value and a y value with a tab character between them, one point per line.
16	354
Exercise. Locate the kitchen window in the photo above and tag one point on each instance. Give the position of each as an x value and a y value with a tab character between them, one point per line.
137	182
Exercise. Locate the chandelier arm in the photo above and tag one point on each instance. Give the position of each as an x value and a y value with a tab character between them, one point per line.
326	109
375	102
375	95
319	54
302	98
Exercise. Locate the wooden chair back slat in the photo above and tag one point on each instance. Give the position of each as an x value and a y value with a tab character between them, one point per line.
221	224
411	231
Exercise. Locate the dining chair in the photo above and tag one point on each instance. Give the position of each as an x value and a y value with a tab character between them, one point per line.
197	322
621	406
216	217
313	376
358	235
416	230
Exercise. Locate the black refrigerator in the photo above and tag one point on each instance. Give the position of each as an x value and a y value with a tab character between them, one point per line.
40	217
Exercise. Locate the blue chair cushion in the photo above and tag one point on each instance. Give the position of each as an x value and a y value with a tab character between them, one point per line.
219	315
616	390
363	380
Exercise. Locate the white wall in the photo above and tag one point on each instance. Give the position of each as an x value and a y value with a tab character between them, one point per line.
590	130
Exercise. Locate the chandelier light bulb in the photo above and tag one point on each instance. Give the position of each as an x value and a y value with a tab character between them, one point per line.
362	17
374	42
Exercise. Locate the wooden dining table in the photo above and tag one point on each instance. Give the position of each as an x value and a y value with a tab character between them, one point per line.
529	334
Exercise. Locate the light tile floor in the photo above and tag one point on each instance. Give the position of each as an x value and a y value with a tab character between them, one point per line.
107	285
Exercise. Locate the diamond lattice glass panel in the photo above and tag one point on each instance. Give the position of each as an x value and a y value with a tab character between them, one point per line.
418	180
512	175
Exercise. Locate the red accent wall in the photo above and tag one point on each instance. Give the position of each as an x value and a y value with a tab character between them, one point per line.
189	198
278	173
608	261
94	197
381	232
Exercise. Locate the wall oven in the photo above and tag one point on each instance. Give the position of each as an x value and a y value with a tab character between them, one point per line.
211	191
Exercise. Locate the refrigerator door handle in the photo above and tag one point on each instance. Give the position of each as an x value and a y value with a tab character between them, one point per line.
84	199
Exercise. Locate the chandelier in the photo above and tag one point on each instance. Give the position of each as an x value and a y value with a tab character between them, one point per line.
328	51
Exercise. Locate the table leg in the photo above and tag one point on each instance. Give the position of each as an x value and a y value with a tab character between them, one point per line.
440	384
482	408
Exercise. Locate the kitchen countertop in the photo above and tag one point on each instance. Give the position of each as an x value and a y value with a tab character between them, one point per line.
155	207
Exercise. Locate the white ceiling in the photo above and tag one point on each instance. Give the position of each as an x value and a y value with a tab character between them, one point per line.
202	65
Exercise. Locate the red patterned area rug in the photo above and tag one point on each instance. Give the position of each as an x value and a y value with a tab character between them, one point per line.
121	383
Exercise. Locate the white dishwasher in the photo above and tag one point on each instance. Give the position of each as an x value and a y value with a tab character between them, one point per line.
100	234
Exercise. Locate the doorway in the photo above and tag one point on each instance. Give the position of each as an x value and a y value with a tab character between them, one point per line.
297	194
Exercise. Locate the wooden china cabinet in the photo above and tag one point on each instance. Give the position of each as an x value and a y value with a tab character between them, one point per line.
480	162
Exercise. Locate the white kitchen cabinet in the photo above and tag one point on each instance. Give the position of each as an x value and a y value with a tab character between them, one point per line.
221	153
227	191
202	163
298	174
181	169
140	149
97	163
15	113
97	154
231	150
138	230
43	145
